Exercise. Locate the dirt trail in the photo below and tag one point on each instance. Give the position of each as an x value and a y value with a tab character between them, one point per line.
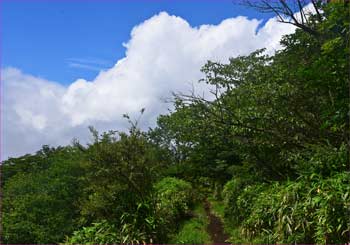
215	227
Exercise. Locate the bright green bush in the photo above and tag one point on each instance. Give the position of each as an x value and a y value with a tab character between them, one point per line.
231	191
139	227
238	196
267	221
245	201
309	210
174	198
98	233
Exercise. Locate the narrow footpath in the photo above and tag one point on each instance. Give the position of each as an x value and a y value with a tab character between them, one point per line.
215	227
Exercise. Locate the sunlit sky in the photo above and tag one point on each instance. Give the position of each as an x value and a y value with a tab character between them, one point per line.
70	64
46	38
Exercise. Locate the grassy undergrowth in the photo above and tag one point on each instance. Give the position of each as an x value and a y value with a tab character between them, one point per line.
234	232
217	207
194	231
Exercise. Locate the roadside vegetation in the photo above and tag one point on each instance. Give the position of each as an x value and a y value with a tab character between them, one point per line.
269	155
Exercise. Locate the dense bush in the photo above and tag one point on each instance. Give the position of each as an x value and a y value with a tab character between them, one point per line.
98	233
238	195
152	221
106	233
121	169
310	210
174	198
323	160
40	205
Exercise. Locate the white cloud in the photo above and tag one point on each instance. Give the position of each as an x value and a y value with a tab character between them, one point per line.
164	54
92	64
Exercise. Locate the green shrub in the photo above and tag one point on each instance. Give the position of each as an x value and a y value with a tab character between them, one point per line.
232	193
245	201
323	160
174	198
310	210
129	231
98	233
270	218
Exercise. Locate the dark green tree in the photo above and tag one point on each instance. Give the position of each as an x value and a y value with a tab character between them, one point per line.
41	205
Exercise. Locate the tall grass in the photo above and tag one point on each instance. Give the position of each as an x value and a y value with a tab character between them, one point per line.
311	209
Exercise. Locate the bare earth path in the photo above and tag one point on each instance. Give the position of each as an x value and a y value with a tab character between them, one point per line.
215	227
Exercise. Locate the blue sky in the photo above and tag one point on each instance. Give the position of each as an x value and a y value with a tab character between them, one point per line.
70	64
66	40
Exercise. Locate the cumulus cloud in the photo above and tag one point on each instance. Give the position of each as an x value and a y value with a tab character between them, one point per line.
164	54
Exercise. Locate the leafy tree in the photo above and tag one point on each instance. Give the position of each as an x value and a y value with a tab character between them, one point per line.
41	206
121	170
269	108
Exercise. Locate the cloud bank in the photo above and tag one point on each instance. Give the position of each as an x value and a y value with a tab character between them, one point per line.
164	54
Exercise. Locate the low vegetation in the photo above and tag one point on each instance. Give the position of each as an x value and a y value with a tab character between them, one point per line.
194	230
